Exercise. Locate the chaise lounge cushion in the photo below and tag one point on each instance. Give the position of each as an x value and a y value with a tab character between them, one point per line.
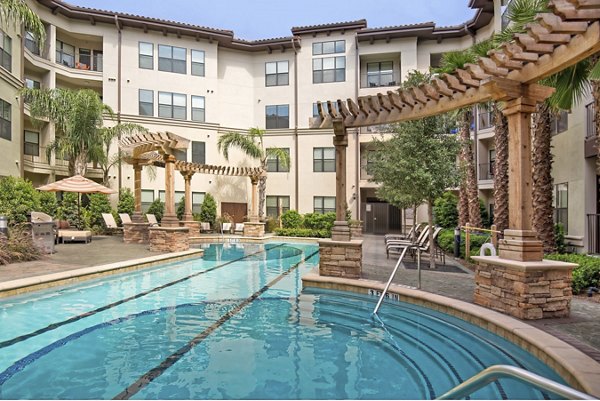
74	235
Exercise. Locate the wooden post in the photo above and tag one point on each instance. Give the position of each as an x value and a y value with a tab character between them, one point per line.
494	236
187	177
340	230
169	218
137	193
467	241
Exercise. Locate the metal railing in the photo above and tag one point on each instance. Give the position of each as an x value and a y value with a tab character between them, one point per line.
593	233
590	121
486	171
496	372
389	282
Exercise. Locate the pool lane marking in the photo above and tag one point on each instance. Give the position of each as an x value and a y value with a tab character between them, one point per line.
158	370
73	319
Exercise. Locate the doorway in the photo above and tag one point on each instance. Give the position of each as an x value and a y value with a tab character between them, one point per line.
237	211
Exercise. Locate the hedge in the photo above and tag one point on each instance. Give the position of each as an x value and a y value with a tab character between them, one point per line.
445	241
587	274
302	232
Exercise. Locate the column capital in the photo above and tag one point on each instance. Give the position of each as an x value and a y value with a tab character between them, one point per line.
169	158
187	175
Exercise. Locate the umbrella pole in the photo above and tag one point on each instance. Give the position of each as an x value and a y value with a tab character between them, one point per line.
78	211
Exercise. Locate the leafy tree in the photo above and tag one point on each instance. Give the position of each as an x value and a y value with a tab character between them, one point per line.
180	208
68	210
418	162
291	219
48	203
78	117
208	210
18	12
157	208
17	199
252	145
126	202
445	210
99	203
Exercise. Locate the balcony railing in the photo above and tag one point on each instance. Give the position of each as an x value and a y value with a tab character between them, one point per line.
590	121
486	171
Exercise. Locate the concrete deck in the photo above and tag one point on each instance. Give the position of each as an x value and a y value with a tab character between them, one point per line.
579	330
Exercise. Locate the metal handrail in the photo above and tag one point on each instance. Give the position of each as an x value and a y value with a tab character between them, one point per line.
387	286
496	372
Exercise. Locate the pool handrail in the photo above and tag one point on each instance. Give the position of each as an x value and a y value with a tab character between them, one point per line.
496	372
389	282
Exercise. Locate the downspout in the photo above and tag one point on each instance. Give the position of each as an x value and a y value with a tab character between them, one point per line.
120	166
358	162
21	101
296	172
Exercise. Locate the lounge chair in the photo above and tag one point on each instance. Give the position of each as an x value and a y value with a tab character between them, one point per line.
109	221
124	218
414	232
68	234
225	228
399	245
426	248
239	228
205	227
151	219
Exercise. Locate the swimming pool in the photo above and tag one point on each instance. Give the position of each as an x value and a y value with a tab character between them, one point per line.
235	324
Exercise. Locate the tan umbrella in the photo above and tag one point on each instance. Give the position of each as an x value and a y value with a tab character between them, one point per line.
77	184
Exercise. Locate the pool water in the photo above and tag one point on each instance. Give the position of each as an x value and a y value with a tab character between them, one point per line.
236	325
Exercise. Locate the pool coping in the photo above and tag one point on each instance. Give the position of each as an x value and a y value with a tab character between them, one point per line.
41	282
577	369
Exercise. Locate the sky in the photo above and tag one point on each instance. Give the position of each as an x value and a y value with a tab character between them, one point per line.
263	19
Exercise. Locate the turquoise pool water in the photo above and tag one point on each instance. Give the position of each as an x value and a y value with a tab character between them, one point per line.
236	325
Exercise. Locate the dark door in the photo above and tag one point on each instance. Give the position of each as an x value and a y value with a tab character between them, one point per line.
237	211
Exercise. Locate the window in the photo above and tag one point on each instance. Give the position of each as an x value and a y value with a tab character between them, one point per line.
65	54
198	152
278	116
316	110
32	43
329	69
484	117
178	196
323	160
273	203
32	83
5	120
85	59
172	59
180	154
337	46
370	162
435	60
32	143
98	60
198	63
147	199
561	205
380	74
275	165
5	51
559	122
198	110
277	73
172	105
146	55
146	107
197	200
324	204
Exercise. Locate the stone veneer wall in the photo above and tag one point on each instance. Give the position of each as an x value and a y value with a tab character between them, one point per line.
168	239
135	233
340	258
527	293
254	229
194	227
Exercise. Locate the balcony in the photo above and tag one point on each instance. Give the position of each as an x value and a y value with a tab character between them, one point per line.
486	171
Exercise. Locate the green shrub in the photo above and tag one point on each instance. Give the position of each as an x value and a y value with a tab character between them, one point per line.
180	208
302	232
67	210
485	217
157	208
318	221
208	210
48	203
17	199
291	219
126	203
445	241
19	246
559	238
445	210
271	224
99	203
587	274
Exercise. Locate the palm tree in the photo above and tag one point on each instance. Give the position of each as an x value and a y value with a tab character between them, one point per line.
252	145
17	12
500	168
108	134
77	116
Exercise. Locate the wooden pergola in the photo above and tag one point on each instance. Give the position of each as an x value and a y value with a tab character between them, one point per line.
567	34
159	149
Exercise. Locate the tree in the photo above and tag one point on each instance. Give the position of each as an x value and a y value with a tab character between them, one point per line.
17	199
252	145
126	202
208	210
445	210
78	117
418	163
108	134
157	208
17	12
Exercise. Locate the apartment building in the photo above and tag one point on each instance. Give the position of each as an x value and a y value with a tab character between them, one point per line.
201	82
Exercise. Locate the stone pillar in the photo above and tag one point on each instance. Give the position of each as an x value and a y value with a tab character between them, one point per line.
169	217
340	230
254	205
137	193
187	176
169	239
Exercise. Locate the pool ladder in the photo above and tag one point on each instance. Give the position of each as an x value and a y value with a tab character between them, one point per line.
496	372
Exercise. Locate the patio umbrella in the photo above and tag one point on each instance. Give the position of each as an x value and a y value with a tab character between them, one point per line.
79	185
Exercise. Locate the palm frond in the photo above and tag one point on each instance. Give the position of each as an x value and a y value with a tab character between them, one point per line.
571	85
595	71
17	12
455	59
245	143
282	154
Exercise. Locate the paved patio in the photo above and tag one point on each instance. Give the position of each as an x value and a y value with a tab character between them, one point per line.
579	330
